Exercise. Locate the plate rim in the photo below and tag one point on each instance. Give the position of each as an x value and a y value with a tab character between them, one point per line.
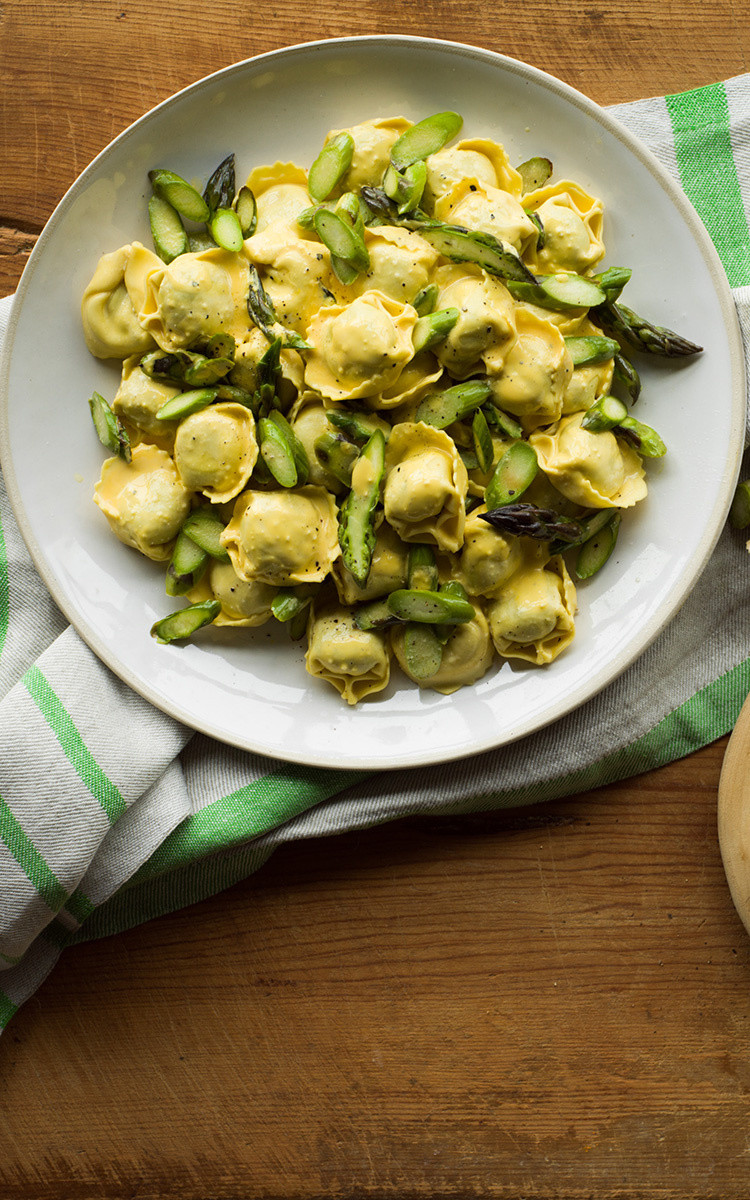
615	667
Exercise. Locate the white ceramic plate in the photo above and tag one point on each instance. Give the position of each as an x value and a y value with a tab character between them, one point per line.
254	692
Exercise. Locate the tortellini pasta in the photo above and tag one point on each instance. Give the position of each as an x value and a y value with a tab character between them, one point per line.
535	373
595	470
532	617
278	427
572	221
360	349
138	400
215	451
486	325
110	322
355	661
283	537
244	602
144	500
372	147
425	486
488	210
194	296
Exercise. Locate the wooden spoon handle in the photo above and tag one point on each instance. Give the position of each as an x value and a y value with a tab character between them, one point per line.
734	814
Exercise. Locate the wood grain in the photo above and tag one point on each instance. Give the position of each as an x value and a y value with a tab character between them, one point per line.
550	1003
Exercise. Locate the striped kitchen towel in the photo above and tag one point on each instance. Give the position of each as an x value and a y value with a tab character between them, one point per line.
98	834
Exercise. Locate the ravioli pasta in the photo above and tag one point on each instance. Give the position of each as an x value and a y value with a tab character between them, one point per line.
292	346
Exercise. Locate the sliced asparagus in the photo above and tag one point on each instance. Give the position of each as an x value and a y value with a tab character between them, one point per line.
482	439
186	403
338	455
605	413
358	427
426	299
433	608
180	625
247	211
646	440
374	615
589	350
423	650
502	421
609	413
534	173
277	452
186	566
180	194
343	241
589	526
451	587
422	572
299	454
433	328
515	470
167	230
288	603
109	428
425	138
441	409
612	281
626	377
226	229
405	187
205	528
330	166
597	549
185	366
559	292
356	523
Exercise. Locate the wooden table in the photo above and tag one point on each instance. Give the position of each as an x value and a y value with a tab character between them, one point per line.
547	1003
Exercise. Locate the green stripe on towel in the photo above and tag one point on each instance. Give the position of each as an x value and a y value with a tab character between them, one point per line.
247	813
30	860
7	1009
703	145
72	744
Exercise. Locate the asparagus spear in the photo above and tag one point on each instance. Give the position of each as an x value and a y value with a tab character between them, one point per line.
264	315
526	520
219	190
639	334
434	608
